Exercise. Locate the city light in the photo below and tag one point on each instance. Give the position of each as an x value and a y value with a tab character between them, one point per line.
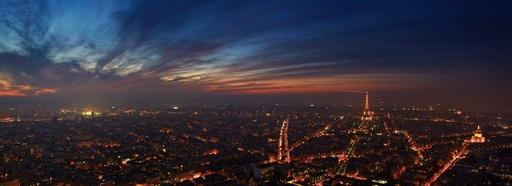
201	93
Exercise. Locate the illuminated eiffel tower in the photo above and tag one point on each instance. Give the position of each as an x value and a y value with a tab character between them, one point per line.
367	114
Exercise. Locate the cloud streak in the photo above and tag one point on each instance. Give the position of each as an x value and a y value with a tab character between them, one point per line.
238	47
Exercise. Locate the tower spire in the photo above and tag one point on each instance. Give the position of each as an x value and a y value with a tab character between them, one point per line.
366	106
367	114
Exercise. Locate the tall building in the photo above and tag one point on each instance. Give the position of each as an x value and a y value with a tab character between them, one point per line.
367	114
263	173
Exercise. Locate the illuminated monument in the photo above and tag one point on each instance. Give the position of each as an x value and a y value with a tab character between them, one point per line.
367	114
477	137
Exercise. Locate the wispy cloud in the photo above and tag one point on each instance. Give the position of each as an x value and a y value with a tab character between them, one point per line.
246	47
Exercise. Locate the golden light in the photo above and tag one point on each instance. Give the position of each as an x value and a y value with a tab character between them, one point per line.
8	88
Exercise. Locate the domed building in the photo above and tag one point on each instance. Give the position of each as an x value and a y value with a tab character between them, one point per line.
477	137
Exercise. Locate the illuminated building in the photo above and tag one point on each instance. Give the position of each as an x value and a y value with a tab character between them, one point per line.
367	114
263	173
87	113
477	137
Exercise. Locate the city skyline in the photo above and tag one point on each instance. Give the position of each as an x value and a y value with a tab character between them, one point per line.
247	145
449	52
259	93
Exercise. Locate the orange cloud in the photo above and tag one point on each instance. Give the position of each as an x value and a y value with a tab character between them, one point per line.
9	89
45	91
12	94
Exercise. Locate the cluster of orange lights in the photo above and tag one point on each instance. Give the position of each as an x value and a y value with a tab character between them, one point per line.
283	143
452	161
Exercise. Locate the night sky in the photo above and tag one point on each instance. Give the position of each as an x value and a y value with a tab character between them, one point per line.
418	51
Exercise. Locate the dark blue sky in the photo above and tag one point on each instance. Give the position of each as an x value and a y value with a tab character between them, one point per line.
417	50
